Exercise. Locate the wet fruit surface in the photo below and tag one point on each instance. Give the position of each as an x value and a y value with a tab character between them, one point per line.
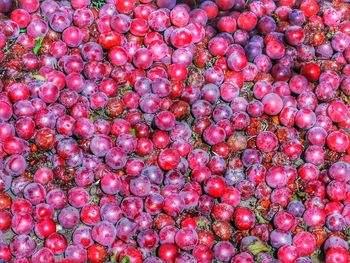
174	131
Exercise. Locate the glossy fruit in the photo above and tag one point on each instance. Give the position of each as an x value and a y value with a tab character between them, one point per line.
174	131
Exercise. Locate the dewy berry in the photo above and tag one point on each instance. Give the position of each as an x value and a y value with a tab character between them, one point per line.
174	131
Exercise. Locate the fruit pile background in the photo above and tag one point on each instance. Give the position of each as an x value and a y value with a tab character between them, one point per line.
174	131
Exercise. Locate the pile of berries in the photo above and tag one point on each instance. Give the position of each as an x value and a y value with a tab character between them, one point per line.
164	131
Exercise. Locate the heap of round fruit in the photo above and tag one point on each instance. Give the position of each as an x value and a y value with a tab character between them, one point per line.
177	132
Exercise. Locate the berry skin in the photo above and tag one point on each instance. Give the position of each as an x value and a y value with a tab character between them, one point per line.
166	131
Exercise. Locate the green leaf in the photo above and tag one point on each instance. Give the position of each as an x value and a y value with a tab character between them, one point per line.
315	258
114	257
38	77
38	43
132	131
125	90
201	224
248	85
125	259
97	3
257	247
347	231
260	218
23	30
